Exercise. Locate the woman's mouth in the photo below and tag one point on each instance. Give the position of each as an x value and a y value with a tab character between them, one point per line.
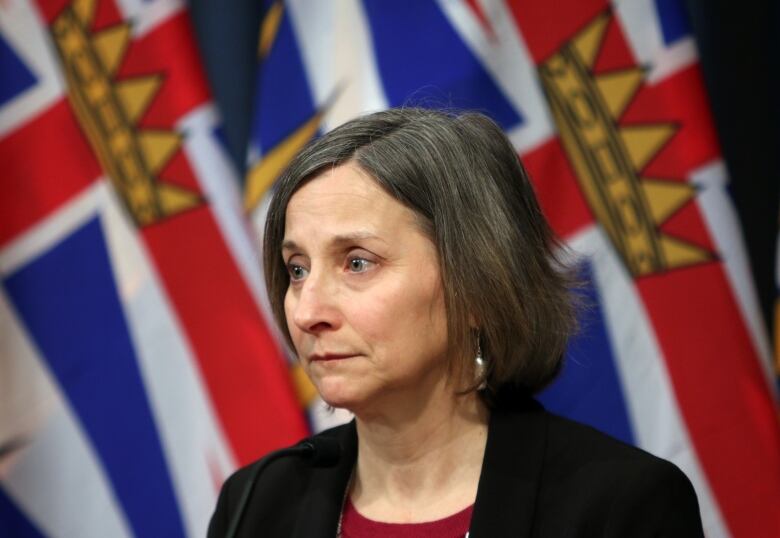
326	357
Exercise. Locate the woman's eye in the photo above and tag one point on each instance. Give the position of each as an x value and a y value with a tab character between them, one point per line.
359	265
297	272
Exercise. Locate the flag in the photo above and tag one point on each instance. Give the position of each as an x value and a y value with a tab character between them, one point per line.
605	104
137	368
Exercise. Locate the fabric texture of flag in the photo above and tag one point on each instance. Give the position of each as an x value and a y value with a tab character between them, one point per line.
606	106
137	369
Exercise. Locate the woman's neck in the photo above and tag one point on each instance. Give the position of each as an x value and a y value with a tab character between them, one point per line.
421	466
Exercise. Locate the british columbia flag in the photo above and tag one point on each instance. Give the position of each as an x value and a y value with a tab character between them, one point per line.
137	364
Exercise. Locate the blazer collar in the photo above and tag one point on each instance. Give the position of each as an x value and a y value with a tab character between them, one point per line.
320	509
511	469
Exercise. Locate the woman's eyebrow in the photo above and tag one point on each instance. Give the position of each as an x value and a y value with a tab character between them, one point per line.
338	241
342	239
289	244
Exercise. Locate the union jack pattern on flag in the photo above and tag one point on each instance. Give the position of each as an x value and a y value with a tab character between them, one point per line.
136	366
606	106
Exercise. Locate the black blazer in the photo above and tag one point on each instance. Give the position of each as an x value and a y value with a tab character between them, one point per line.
542	476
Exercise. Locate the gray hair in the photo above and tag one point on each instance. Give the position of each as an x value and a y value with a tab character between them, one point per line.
497	254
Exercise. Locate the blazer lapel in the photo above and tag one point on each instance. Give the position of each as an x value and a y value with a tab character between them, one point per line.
320	509
511	470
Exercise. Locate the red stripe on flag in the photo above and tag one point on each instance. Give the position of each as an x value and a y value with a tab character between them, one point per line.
547	25
45	163
723	395
178	172
169	49
614	52
241	365
557	188
686	224
681	98
51	8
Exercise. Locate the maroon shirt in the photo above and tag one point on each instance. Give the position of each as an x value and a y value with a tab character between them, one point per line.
353	525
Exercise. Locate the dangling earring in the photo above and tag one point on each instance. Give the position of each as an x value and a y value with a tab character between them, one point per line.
480	365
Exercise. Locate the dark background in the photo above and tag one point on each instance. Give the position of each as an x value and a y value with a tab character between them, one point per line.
739	50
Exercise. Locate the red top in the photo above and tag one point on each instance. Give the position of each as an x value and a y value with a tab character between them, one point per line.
353	525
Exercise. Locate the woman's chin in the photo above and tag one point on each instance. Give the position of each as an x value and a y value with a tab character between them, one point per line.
337	393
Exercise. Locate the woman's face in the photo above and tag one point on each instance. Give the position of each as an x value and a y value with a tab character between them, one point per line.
364	307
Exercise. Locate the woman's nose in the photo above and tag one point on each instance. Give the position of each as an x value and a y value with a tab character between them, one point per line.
315	306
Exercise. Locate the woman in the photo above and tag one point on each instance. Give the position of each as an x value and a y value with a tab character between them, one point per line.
410	267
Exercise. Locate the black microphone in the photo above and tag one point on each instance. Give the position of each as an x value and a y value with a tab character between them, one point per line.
319	451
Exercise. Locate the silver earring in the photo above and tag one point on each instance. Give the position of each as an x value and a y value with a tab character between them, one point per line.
479	366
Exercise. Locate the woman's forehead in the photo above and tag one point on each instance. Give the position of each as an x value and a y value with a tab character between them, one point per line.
345	179
347	201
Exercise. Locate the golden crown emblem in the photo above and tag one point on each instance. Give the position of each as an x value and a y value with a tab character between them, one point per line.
108	111
608	157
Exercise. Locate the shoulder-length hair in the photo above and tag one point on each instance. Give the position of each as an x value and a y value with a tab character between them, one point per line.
504	286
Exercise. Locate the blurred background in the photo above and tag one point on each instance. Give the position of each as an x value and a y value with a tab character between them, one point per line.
139	142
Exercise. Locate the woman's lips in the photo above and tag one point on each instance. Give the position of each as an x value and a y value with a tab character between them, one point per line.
331	357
